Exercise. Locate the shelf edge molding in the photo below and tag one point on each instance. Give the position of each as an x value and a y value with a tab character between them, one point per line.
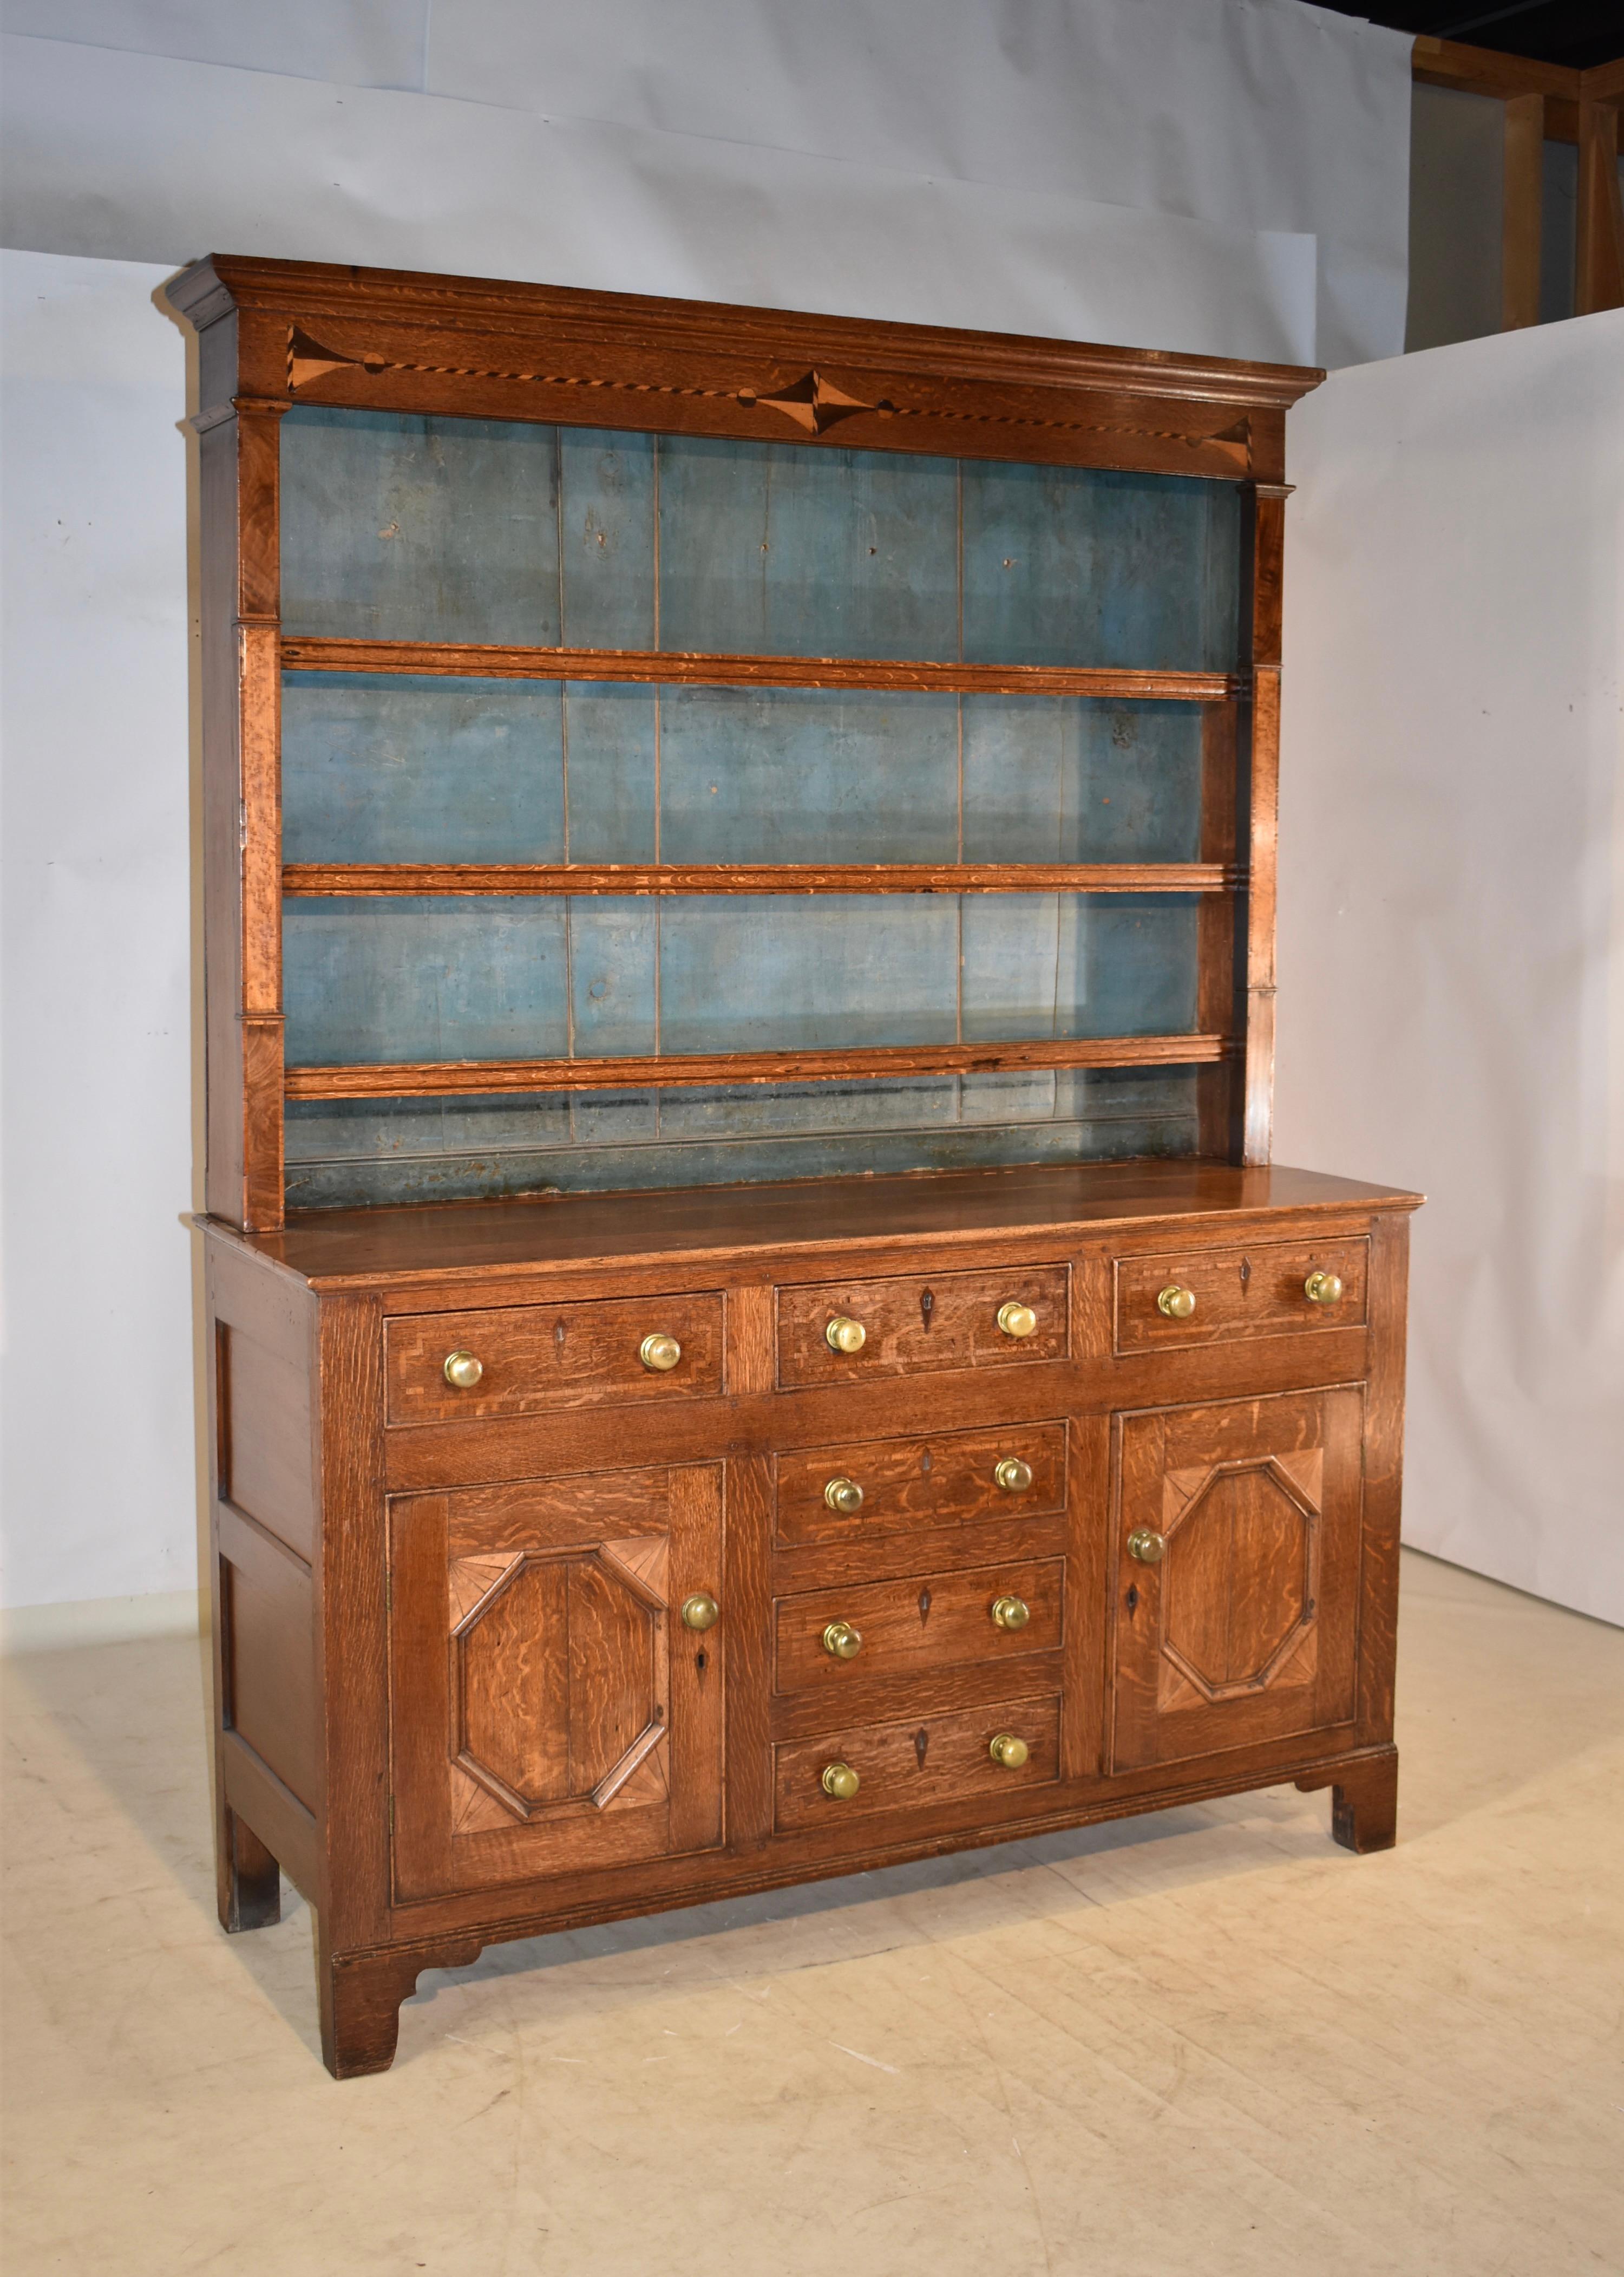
304	653
371	881
467	1078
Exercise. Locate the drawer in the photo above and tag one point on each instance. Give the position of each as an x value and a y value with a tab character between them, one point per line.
920	1322
907	1485
928	1621
533	1356
909	1764
1258	1291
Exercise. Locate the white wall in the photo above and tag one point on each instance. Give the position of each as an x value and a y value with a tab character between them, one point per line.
1452	910
819	146
96	1445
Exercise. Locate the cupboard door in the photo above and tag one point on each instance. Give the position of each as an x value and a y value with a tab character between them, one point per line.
1237	1621
550	1712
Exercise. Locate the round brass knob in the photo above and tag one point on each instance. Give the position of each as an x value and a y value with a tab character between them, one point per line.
1177	1303
844	1495
1145	1543
1323	1288
659	1353
841	1780
1011	1612
463	1371
1013	1475
843	1335
1017	1320
701	1610
1009	1751
842	1641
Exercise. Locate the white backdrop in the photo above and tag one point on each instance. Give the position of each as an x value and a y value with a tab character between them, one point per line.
1225	176
1452	910
620	144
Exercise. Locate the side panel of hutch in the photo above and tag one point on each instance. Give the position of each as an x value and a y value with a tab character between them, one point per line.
751	1331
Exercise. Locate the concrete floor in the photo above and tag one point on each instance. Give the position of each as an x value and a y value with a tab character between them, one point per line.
1207	2042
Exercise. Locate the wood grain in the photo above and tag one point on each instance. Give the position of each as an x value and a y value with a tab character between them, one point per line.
306	880
439	1078
911	1485
910	1764
1248	1627
1600	266
1258	1292
441	1246
941	1619
539	1356
496	661
948	1320
1520	219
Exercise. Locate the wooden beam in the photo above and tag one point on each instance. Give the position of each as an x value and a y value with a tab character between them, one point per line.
370	879
469	1078
1600	270
1483	71
480	662
1520	223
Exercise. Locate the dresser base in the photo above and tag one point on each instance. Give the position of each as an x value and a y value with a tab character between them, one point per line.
592	1634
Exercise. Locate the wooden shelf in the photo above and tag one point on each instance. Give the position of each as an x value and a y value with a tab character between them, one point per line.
329	880
466	1077
435	659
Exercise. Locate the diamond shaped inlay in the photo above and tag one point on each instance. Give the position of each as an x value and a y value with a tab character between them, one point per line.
813	402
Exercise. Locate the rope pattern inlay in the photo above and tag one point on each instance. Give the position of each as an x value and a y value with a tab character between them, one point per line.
747	398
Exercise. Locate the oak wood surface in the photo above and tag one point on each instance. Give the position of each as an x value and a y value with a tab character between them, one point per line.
441	1078
547	1356
1245	1628
917	1620
677	667
917	1322
912	1485
426	1243
379	879
1256	1292
907	1765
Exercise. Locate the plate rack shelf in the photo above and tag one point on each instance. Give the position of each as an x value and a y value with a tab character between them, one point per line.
652	744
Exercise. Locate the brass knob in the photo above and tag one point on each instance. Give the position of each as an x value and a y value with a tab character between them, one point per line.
659	1353
462	1370
1323	1288
1009	1751
843	1335
1013	1475
1017	1320
1177	1303
844	1495
841	1639
1011	1612
701	1610
841	1780
1145	1543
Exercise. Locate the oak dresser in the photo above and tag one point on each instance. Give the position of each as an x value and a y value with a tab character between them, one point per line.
752	1331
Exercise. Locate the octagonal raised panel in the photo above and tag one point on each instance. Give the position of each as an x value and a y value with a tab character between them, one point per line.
1239	1577
560	1674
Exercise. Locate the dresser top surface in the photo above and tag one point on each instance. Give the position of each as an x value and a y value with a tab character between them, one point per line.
336	1249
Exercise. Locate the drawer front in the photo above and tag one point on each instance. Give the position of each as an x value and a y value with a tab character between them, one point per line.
533	1357
920	1322
1258	1291
928	1621
909	1765
911	1484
